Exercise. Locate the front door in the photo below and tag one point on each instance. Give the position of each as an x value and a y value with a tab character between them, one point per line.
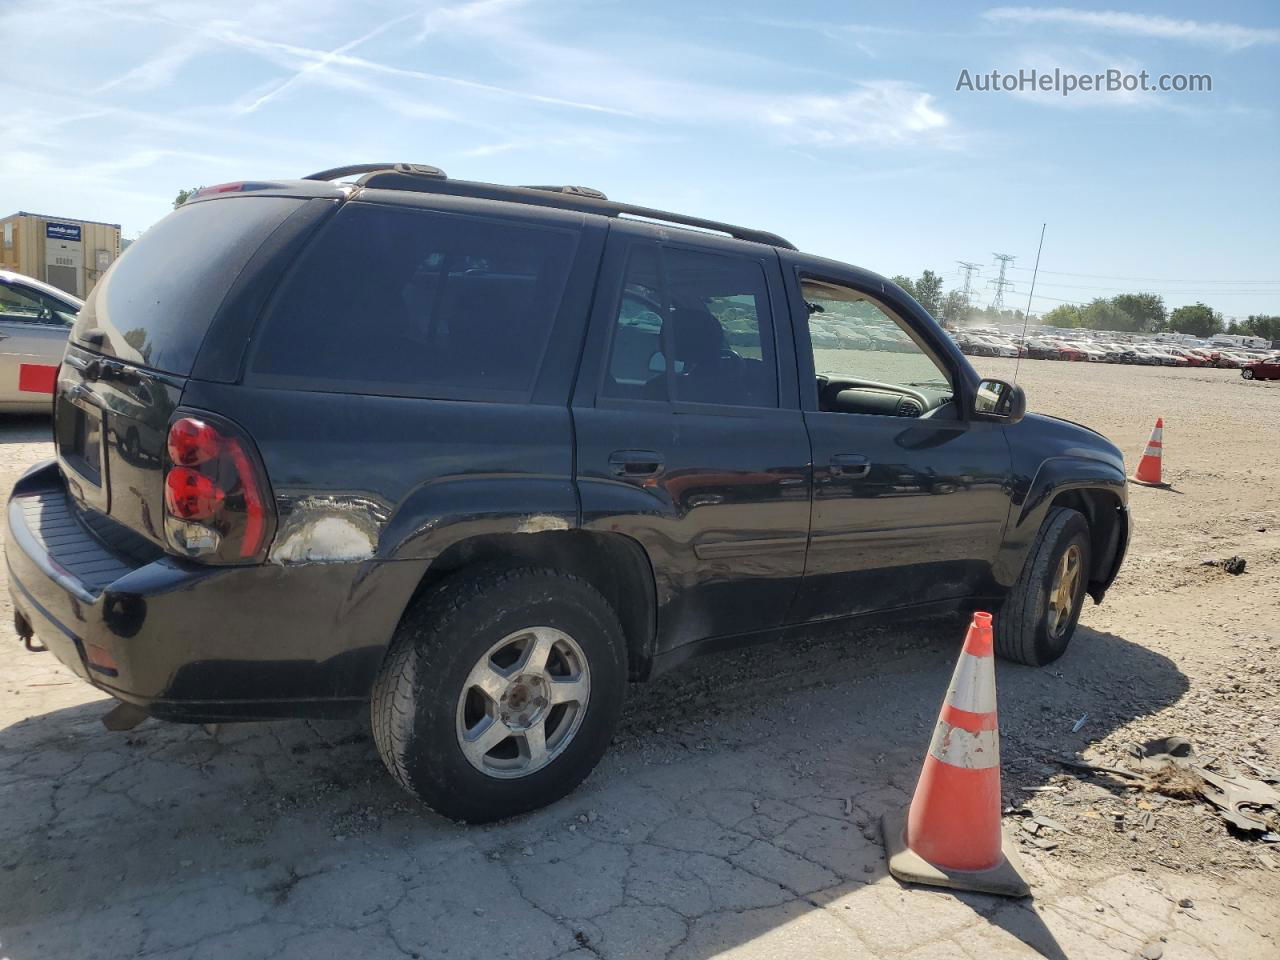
689	436
910	497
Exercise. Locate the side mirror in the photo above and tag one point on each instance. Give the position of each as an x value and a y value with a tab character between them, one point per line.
999	400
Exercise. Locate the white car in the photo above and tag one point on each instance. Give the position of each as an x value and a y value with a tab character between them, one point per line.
1092	351
1003	348
35	319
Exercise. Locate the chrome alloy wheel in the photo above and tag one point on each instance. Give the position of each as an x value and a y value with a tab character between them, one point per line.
1062	594
523	702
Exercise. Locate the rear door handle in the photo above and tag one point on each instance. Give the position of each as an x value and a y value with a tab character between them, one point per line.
851	466
635	463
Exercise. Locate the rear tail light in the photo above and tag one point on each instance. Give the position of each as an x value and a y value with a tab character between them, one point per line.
217	505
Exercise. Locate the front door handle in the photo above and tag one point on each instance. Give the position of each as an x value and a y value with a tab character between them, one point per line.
850	466
635	463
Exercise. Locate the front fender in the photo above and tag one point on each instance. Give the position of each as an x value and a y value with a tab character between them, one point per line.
1030	506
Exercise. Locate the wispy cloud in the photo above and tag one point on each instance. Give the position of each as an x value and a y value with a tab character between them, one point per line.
463	14
1081	61
319	64
335	58
158	70
883	113
1231	36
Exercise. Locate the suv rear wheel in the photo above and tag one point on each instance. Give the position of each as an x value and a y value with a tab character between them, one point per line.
1040	614
500	692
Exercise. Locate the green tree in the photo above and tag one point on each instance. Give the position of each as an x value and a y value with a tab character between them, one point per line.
955	307
928	292
1064	315
1262	325
1196	319
905	282
185	195
1146	309
1103	314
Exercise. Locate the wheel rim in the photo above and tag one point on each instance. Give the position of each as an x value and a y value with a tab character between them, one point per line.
523	702
1062	594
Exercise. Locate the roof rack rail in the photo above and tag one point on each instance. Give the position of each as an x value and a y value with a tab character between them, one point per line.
423	178
572	191
416	169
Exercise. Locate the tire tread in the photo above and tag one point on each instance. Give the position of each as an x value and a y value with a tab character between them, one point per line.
415	643
1018	620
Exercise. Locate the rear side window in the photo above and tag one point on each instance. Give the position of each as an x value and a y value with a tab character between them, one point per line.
404	302
693	327
155	304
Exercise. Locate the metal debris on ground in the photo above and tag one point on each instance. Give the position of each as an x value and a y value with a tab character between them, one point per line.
1170	766
1232	565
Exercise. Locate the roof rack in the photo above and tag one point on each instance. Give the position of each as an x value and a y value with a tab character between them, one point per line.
423	178
351	169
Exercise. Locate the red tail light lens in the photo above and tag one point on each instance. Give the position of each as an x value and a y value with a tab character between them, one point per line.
189	495
217	504
192	441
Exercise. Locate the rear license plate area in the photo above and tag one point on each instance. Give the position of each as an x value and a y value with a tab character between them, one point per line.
79	438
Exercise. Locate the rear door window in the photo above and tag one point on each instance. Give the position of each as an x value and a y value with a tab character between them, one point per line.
693	327
408	302
155	304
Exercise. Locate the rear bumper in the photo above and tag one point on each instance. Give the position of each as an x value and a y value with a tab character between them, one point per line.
192	643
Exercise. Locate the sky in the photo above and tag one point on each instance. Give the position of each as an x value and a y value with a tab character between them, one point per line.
837	125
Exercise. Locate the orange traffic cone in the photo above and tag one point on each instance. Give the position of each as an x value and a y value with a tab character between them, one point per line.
950	836
1148	472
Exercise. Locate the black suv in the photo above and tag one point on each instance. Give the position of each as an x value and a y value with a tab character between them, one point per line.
472	456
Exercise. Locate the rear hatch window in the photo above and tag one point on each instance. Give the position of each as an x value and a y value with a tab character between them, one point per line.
408	302
154	306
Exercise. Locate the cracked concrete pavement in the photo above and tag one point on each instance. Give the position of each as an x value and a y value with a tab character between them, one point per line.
735	816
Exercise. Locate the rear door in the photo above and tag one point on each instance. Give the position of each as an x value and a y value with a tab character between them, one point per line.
33	335
136	340
689	436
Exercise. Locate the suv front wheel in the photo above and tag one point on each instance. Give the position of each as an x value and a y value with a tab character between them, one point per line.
1040	614
500	692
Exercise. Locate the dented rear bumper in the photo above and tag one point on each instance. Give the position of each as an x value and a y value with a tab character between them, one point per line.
189	642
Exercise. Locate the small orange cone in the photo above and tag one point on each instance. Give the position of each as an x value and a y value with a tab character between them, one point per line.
1148	472
950	836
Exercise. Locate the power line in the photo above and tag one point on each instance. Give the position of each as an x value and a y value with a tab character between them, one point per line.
1175	291
1104	276
997	302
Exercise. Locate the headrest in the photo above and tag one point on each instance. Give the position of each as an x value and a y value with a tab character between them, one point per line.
696	335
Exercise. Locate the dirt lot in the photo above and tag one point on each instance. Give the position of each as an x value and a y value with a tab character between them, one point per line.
735	815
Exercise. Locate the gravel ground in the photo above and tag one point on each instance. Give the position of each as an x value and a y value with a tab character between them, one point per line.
736	814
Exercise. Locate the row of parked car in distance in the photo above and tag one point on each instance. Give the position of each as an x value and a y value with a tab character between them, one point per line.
1151	353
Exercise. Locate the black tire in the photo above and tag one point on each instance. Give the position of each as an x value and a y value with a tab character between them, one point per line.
415	709
1247	374
1022	632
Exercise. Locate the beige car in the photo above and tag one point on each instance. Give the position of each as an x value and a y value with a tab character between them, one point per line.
35	319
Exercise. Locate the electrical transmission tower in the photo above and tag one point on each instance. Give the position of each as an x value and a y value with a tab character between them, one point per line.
1000	283
968	269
